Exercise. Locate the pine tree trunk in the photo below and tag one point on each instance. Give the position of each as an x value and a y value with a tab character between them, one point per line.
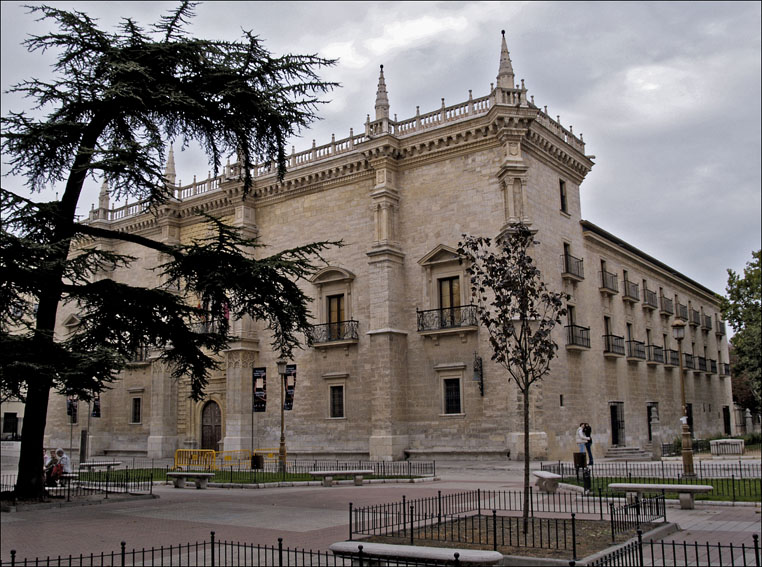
29	480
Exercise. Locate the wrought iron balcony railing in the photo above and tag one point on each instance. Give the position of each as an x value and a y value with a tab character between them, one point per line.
211	326
573	267
720	329
667	306
695	318
701	363
140	354
609	282
688	361
712	366
649	299
577	336
613	344
329	332
631	291
655	354
706	323
682	312
636	349
447	318
671	357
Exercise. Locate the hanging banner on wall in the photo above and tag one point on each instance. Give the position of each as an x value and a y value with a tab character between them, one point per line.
290	378
96	407
259	387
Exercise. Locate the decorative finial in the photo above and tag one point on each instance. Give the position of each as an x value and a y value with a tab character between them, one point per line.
505	78
169	169
382	100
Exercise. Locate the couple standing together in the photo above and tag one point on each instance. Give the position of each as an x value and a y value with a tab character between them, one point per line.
585	441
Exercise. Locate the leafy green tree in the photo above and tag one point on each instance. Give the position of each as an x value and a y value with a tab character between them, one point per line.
116	102
742	309
518	311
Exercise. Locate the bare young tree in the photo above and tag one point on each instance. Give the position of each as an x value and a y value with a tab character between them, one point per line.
518	310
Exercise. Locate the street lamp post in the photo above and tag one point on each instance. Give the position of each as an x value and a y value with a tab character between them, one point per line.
678	332
282	448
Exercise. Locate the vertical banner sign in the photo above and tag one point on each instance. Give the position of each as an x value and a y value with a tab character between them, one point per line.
96	407
259	386
290	378
71	408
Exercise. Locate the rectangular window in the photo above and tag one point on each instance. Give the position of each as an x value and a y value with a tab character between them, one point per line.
562	194
561	400
135	416
337	401
571	316
452	403
10	423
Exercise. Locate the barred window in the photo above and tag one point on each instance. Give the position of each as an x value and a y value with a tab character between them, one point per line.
452	395
136	416
337	401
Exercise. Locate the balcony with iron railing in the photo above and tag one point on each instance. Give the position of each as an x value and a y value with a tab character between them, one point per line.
447	319
671	357
724	369
688	361
712	366
667	307
682	312
701	364
649	299
636	351
573	268
329	334
695	320
720	328
140	355
577	337
613	346
655	354
631	292
609	283
706	323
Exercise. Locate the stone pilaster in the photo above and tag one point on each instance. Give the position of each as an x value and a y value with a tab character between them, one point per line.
240	359
162	438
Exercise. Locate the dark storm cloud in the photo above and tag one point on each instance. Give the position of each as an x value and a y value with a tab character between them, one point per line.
666	94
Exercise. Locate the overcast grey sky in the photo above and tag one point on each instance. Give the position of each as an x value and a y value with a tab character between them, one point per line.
666	94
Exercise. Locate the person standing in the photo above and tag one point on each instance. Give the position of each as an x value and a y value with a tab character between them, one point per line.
588	432
582	439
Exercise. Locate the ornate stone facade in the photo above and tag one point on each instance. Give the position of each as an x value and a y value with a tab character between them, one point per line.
398	364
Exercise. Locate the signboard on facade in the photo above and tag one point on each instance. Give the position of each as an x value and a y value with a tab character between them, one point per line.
259	387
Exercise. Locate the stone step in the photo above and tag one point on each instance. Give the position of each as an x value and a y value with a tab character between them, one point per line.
627	454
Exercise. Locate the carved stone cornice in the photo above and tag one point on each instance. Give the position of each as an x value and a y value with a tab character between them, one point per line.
555	152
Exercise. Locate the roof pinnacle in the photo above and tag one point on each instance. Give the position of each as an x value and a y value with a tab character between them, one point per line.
505	77
169	170
382	100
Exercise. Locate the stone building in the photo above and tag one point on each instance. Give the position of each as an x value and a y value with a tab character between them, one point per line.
397	365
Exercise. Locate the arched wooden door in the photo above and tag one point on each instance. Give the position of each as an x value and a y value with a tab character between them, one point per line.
211	426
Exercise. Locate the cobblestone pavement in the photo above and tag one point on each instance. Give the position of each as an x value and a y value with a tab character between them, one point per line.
305	517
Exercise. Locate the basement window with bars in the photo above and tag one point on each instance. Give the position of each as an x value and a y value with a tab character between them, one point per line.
452	396
336	394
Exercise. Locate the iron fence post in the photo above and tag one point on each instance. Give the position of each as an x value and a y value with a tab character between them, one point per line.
611	515
123	552
494	530
600	501
439	506
107	476
457	558
640	547
280	552
350	521
574	537
412	523
733	484
756	548
212	546
404	518
479	501
359	555
13	557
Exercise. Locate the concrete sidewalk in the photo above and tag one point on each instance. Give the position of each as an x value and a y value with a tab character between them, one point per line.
305	517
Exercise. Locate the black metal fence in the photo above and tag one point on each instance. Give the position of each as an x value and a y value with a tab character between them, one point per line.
630	516
89	483
638	553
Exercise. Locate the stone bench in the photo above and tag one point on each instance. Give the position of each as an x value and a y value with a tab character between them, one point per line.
726	446
200	478
95	465
547	481
686	492
385	552
328	475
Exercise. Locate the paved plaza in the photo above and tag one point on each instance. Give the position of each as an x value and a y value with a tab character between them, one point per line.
311	517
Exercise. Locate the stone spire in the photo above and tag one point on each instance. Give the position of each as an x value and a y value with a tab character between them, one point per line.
103	200
382	101
169	171
505	78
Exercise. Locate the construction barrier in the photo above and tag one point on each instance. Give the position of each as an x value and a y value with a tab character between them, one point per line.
269	455
194	459
236	459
